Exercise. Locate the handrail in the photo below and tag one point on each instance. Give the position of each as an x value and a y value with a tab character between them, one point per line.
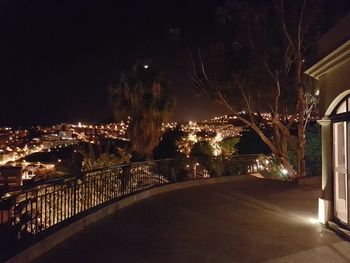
31	212
63	178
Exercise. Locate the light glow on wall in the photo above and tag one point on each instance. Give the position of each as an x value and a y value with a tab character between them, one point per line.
322	210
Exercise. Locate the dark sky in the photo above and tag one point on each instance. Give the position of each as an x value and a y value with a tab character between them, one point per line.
58	57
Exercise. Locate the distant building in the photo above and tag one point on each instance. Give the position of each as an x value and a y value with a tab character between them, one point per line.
10	176
57	139
29	172
333	74
65	135
6	157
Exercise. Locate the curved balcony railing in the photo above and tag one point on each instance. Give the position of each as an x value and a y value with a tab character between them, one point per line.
30	213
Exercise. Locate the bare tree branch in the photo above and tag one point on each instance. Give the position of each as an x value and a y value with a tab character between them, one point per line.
284	26
202	64
247	102
278	92
300	24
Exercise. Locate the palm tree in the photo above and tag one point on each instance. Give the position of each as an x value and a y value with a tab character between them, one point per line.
143	95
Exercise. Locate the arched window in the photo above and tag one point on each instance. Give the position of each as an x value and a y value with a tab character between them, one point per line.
343	106
342	111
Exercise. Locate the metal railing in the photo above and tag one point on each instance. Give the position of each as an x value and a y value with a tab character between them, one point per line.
29	213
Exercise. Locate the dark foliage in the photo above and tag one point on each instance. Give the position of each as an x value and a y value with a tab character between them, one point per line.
167	147
251	143
313	150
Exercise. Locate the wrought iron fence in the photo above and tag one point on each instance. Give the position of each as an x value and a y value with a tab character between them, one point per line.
30	213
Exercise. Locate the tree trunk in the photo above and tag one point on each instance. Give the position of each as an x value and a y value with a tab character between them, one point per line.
279	149
301	107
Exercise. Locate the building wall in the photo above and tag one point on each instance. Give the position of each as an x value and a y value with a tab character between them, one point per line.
333	74
332	84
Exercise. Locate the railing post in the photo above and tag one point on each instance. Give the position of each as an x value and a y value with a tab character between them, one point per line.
75	197
125	170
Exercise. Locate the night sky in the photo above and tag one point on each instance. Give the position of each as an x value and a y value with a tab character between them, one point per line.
58	57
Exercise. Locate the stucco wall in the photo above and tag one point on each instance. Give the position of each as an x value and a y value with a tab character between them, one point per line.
332	84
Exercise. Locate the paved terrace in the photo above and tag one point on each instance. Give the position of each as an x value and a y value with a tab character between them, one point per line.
247	220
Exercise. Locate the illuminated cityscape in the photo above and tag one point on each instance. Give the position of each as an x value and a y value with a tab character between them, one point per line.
18	144
175	131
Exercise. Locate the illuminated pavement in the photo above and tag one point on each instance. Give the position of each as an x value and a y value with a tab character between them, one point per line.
249	220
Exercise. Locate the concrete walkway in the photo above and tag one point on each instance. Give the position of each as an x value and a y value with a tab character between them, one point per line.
248	220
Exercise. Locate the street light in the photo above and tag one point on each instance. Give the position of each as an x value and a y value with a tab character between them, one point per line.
195	169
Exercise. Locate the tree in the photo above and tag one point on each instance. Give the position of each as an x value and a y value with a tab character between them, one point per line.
143	94
265	59
167	147
202	148
229	145
104	154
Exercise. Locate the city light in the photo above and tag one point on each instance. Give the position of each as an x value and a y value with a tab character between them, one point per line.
284	171
59	137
